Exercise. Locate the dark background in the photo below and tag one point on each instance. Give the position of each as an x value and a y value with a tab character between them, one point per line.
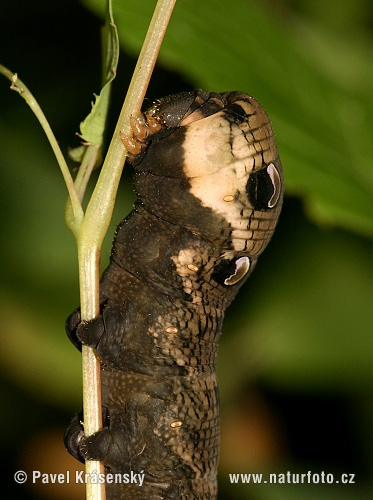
295	360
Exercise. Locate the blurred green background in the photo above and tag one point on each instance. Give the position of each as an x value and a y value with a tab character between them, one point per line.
296	356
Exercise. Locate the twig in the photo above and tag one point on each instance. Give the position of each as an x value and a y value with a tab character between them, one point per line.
97	218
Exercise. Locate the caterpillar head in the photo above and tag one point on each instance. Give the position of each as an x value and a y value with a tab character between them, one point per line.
209	162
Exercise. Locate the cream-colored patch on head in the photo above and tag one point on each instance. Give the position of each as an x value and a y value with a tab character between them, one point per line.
207	145
219	156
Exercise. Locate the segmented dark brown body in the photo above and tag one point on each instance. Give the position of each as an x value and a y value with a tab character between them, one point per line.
209	184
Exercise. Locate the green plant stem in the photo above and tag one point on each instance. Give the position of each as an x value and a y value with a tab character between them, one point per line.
101	204
97	218
18	86
81	181
90	229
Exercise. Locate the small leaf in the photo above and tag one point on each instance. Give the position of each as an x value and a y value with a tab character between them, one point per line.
93	127
77	154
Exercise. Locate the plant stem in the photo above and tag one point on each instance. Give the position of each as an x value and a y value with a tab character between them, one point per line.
90	229
23	91
97	218
81	181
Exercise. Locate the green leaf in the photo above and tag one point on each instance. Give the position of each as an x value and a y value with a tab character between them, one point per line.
309	318
93	127
315	83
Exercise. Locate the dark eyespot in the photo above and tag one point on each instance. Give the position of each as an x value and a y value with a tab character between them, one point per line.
237	112
264	188
230	272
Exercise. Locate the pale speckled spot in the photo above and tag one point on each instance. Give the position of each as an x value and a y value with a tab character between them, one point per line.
172	330
183	258
228	198
193	267
176	424
188	260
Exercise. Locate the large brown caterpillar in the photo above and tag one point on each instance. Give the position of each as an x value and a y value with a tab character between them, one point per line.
209	185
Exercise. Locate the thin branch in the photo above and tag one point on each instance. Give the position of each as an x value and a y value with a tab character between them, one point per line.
89	161
91	228
102	200
97	219
18	86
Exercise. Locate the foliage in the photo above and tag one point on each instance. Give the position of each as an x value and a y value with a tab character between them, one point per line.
303	324
320	105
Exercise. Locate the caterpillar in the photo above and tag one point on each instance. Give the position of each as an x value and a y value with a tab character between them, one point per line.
209	187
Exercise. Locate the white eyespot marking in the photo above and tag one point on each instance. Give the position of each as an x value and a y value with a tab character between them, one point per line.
242	268
176	423
228	197
172	329
193	267
276	181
